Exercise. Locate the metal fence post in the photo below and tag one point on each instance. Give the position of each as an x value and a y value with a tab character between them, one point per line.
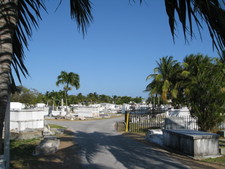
127	121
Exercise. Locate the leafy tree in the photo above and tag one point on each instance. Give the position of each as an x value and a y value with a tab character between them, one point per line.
53	98
123	99
27	96
199	84
137	99
205	90
40	98
92	98
104	99
68	79
80	98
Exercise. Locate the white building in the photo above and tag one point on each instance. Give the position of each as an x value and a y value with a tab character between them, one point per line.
87	111
16	106
40	105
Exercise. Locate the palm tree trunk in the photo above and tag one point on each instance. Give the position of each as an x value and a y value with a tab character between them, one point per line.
8	20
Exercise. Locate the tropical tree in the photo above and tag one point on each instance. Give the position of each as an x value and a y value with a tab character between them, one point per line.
137	99
104	99
199	84
27	96
68	80
205	90
80	98
92	97
165	79
53	98
17	19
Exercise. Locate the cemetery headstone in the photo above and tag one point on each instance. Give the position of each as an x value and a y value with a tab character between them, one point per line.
173	123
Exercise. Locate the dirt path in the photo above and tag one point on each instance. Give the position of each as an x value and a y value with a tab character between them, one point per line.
65	158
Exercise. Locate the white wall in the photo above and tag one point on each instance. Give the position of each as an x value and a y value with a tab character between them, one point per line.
16	106
178	112
40	105
185	114
21	120
87	111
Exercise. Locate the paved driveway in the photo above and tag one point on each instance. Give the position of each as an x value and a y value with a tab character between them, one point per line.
101	147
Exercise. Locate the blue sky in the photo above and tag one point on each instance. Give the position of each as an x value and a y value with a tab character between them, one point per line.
119	51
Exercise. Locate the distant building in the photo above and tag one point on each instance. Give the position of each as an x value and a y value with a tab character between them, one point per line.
16	106
40	105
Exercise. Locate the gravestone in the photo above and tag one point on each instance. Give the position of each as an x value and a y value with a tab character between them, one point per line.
193	143
155	136
49	145
173	123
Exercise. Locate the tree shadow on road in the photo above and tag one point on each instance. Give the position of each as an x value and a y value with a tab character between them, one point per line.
127	152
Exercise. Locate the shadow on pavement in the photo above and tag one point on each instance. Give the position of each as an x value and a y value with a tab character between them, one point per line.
128	152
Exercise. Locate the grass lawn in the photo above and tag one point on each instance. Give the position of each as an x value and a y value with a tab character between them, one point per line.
56	126
21	153
216	160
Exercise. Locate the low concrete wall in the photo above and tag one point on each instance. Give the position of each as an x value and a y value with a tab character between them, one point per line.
21	120
181	122
178	112
194	143
87	111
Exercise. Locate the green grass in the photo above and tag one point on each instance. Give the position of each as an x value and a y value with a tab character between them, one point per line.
216	160
56	126
21	152
22	148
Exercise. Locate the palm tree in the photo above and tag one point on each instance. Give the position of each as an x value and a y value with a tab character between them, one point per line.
18	17
165	78
68	79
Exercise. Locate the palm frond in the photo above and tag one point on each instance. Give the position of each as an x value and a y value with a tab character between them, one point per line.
210	11
151	76
158	77
80	10
28	16
185	73
174	93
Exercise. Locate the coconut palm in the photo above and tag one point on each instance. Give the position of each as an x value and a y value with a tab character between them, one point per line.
68	80
165	78
17	19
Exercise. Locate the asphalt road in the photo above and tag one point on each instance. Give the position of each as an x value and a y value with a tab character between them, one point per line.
101	147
